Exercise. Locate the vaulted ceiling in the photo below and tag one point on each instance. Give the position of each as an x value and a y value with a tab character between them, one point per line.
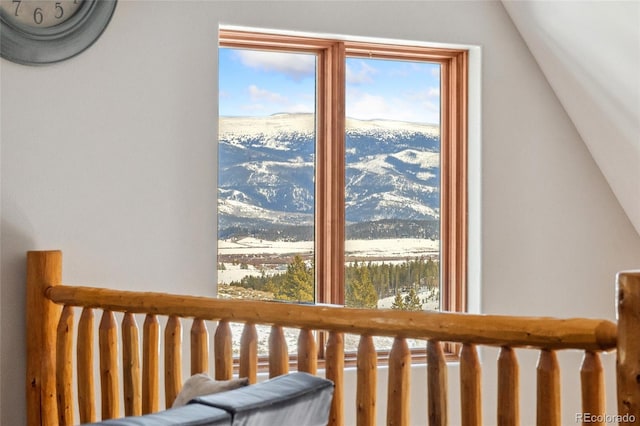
589	52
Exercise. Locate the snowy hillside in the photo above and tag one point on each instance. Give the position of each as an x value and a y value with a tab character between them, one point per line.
267	170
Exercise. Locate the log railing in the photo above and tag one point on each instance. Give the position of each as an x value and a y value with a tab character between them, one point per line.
50	354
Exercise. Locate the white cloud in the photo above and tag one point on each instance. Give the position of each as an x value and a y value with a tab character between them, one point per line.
427	95
297	108
257	94
296	66
361	76
272	102
253	107
366	106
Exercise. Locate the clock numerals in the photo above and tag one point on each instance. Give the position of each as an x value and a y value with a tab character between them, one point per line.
17	4
41	13
59	11
38	17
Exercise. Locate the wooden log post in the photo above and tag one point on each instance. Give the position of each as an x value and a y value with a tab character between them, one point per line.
84	355
150	362
367	367
548	389
508	388
44	270
335	372
628	355
199	347
436	384
64	367
249	353
470	388
592	384
399	383
172	360
108	345
278	352
223	351
307	352
131	381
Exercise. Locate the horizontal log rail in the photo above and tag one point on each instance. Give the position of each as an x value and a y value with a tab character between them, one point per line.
50	358
491	330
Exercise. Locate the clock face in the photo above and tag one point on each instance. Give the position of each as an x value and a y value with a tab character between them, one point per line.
37	32
40	13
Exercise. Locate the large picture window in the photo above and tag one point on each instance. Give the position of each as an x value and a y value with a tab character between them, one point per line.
342	172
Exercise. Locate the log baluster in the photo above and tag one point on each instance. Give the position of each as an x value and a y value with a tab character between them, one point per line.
508	388
307	352
150	361
108	344
278	352
470	388
249	353
223	351
367	365
64	367
592	383
199	347
44	271
335	372
548	389
172	360
84	356
399	383
628	345
436	384
131	385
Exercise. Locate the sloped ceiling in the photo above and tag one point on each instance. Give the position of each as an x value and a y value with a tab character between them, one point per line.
589	52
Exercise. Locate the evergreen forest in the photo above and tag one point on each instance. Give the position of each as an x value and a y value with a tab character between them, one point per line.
366	282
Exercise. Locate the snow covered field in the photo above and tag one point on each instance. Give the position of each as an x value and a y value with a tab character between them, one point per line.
388	250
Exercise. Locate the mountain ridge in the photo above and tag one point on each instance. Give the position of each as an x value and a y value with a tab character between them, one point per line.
266	171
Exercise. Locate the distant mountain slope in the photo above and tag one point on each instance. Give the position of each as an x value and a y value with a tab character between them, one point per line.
267	171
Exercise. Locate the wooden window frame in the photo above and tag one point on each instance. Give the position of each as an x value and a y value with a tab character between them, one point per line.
330	154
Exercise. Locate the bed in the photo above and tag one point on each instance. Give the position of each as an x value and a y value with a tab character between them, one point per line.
54	334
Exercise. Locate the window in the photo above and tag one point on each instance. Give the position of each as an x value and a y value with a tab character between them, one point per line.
342	172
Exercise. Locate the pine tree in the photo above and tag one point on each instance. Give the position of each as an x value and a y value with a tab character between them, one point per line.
298	282
432	273
360	292
398	302
412	302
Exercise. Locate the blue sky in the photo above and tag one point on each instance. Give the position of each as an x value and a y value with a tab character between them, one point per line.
260	83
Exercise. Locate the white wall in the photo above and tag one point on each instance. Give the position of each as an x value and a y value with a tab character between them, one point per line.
595	75
111	158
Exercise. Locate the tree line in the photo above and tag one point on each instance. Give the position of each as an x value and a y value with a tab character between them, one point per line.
365	282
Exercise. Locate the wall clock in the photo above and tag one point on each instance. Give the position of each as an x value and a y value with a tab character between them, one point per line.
36	32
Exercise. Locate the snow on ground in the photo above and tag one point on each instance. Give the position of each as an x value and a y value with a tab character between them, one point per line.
391	250
431	305
277	124
250	245
235	273
399	249
404	248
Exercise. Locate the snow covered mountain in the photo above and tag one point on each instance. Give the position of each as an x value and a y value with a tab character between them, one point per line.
266	172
